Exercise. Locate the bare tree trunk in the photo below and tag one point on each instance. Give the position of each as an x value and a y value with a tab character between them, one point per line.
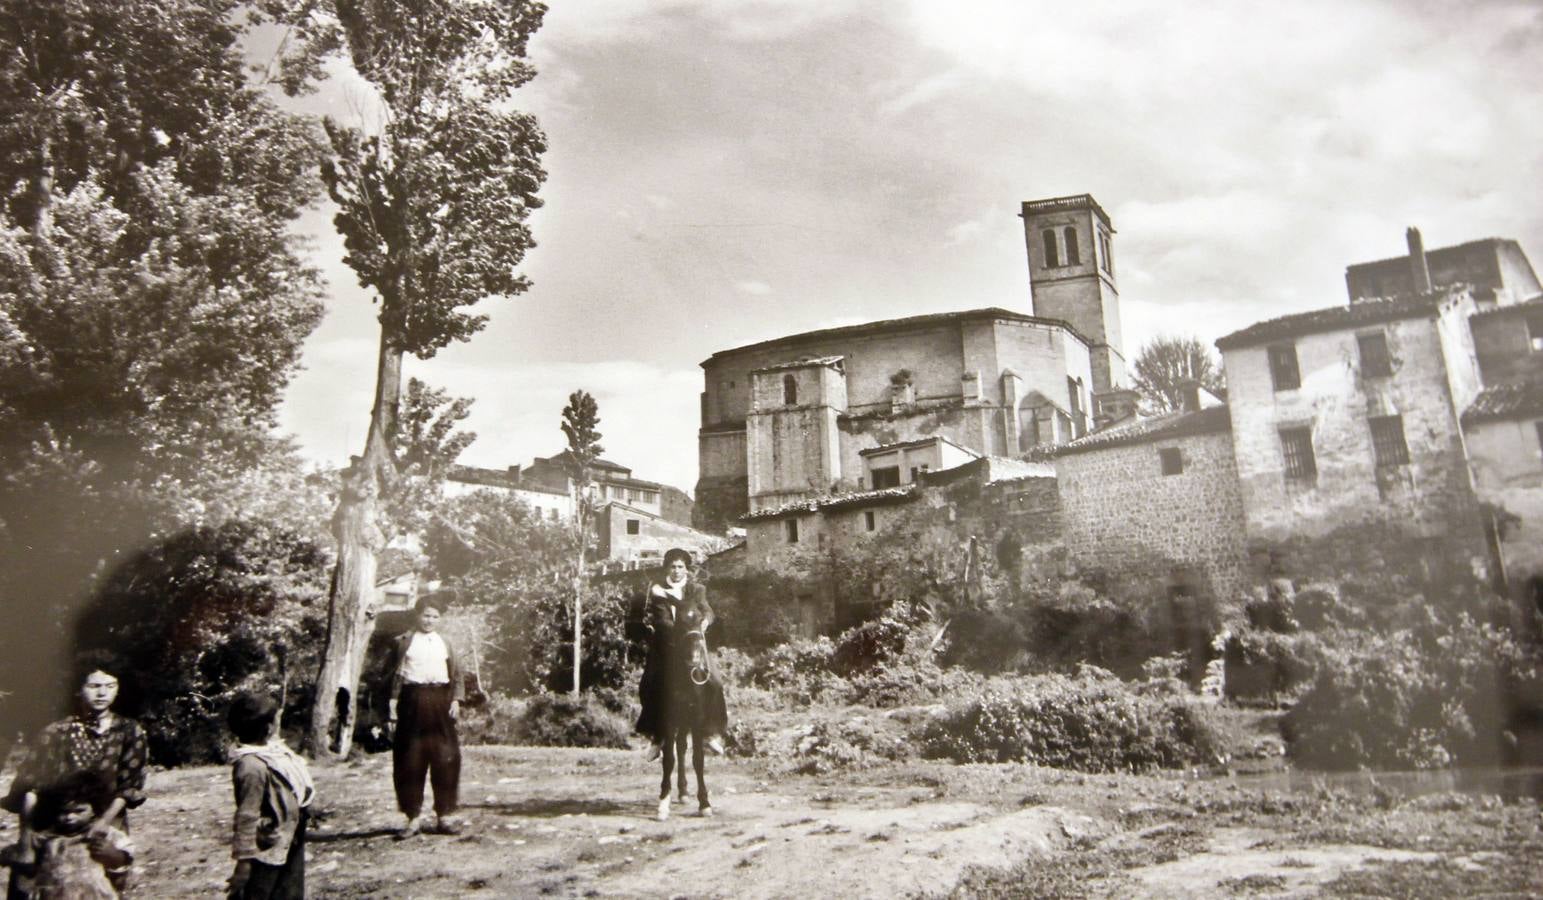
580	516
351	609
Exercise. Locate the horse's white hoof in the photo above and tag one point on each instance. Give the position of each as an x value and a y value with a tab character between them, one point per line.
706	812
664	810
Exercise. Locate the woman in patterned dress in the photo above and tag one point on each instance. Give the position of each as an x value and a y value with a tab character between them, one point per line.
94	740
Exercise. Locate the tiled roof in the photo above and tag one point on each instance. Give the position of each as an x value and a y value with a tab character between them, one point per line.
835	501
801	364
1520	399
1529	304
1172	425
886	325
1335	318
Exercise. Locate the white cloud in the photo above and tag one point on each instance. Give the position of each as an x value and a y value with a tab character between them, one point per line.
923	92
753	288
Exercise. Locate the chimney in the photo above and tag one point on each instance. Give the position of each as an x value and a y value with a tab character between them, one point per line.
514	473
1190	391
1419	269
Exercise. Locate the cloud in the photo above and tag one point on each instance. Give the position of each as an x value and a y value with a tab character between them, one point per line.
923	92
753	288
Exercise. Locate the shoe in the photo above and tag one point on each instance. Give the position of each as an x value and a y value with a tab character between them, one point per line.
654	752
715	744
413	828
448	825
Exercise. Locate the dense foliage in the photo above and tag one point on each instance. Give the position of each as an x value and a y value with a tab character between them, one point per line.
193	620
152	297
1094	723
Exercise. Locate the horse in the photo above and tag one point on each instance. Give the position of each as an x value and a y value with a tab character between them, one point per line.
690	693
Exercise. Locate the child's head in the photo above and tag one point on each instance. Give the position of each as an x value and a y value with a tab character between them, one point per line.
65	807
251	718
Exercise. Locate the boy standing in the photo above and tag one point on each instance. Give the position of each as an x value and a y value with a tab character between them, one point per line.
273	791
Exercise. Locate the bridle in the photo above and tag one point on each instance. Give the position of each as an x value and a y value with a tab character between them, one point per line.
699	674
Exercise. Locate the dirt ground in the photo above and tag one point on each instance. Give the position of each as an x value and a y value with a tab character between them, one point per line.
581	823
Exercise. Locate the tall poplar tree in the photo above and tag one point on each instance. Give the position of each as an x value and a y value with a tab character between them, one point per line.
581	419
432	207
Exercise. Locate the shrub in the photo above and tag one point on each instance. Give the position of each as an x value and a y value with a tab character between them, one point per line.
495	722
1265	664
1418	698
799	670
561	720
855	743
1092	723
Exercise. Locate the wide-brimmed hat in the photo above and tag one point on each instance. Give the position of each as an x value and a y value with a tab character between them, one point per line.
675	553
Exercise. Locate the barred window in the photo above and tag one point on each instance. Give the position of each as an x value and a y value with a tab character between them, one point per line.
1374	355
1283	367
632	526
886	477
1388	441
1172	459
1296	445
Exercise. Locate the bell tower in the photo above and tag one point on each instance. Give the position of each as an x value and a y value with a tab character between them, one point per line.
1071	277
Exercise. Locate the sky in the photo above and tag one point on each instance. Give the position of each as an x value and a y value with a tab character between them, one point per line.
728	171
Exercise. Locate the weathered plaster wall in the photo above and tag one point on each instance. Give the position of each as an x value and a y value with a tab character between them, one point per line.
1502	343
1118	509
967	427
1335	400
654	536
1507	466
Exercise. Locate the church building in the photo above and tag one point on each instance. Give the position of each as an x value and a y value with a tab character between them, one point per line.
827	412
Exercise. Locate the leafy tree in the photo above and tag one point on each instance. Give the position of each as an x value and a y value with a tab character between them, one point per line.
152	297
432	209
581	418
1165	366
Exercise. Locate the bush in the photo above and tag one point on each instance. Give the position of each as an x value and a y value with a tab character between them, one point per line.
855	743
1418	698
799	670
1093	723
1265	664
561	720
498	721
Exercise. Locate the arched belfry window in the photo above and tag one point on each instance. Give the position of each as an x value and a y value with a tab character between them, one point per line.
1052	258
789	389
1073	258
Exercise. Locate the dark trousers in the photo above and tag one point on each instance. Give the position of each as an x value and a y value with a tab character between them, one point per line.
426	742
286	882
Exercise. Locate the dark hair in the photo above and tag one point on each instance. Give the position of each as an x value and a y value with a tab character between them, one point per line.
435	602
81	786
675	553
89	661
251	717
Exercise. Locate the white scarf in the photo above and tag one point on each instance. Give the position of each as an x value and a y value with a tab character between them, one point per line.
285	763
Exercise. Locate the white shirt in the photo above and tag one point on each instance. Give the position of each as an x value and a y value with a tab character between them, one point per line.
427	660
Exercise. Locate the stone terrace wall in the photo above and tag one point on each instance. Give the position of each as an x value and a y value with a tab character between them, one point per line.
1119	510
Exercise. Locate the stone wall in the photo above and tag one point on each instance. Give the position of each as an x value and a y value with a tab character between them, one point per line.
1119	510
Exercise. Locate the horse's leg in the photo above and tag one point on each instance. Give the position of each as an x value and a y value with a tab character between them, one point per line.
667	759
680	753
697	755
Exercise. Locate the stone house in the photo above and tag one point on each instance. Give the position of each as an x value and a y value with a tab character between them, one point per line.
1348	415
1504	429
1160	495
551	502
790	419
630	537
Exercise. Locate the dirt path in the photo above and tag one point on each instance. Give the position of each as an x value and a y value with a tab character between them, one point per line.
580	823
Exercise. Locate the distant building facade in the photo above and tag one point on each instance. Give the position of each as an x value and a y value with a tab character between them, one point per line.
790	419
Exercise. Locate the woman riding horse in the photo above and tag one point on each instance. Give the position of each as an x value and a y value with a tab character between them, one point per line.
680	691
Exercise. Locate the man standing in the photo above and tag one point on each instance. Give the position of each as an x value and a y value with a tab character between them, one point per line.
426	692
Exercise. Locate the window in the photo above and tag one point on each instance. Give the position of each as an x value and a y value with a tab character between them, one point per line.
1074	391
632	526
1535	331
790	526
1283	367
914	471
1388	441
552	514
887	477
1296	447
1073	255
1052	258
1374	355
1103	244
1539	426
1172	459
789	389
868	518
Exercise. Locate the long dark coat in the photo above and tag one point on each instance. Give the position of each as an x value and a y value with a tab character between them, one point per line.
669	625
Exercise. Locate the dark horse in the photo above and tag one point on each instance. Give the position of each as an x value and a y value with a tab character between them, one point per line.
693	700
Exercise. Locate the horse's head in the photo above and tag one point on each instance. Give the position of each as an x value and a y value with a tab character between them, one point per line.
696	657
